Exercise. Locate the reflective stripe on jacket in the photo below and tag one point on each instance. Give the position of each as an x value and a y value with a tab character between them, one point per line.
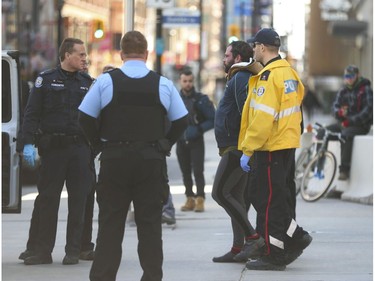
271	117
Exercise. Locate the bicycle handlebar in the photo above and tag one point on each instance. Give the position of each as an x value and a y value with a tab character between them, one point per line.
328	132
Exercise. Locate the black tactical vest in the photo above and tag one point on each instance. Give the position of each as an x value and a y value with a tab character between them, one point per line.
135	112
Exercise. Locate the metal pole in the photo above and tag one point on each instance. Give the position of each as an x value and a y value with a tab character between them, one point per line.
60	4
200	63
159	39
255	18
224	39
128	15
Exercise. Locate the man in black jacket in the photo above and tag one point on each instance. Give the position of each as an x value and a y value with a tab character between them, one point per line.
231	188
352	109
190	147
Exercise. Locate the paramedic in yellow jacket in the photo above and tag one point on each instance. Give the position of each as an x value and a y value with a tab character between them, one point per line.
270	133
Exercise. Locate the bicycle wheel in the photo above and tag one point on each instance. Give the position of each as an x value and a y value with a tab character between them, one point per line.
301	163
318	176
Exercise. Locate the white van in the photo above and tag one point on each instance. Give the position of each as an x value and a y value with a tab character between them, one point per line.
11	119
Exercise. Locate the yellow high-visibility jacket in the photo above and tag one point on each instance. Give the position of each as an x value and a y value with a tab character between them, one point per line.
271	117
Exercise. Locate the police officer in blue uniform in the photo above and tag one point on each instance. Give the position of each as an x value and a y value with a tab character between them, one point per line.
52	112
133	104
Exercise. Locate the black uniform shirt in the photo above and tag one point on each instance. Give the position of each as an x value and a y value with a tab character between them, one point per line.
53	103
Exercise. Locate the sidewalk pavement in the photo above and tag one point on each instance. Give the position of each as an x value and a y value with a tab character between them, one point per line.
341	250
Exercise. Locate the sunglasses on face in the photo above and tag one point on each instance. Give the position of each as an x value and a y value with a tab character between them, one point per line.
349	76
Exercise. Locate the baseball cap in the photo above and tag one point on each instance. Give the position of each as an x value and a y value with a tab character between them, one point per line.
351	70
267	36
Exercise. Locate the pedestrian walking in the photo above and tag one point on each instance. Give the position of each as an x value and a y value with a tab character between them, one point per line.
51	124
132	103
190	147
231	187
269	134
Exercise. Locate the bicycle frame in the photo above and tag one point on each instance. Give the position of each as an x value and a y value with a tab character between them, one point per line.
321	168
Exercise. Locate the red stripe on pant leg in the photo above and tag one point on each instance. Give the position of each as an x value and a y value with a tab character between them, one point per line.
269	202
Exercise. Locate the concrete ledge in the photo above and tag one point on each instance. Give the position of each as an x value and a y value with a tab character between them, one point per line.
335	148
360	187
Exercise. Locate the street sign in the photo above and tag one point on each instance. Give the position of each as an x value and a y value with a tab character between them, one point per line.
160	4
180	17
243	8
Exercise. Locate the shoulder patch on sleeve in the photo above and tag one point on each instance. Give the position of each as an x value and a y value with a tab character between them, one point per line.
38	82
264	75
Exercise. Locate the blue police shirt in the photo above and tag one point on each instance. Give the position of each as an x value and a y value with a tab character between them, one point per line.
101	92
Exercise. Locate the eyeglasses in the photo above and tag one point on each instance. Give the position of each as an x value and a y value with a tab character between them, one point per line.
349	76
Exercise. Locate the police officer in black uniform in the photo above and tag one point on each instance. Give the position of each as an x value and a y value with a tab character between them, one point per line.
52	112
133	104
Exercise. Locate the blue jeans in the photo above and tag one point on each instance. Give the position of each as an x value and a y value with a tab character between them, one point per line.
168	208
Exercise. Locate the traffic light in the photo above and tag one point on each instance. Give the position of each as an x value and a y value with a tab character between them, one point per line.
234	33
98	29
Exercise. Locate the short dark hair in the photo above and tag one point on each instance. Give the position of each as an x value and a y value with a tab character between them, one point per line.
67	45
243	49
133	44
186	71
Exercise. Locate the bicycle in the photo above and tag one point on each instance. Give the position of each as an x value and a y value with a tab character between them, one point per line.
304	157
318	165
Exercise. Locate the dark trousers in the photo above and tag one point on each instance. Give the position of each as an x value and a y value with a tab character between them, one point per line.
86	243
229	192
69	165
272	191
121	181
348	134
191	160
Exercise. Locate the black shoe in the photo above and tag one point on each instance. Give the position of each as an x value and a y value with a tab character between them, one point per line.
34	260
297	247
334	194
303	242
264	263
228	257
87	255
343	176
70	260
24	255
168	219
252	249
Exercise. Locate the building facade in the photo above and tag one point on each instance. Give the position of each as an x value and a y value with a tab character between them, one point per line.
338	33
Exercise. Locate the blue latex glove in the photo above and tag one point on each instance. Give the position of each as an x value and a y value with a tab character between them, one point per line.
29	154
244	161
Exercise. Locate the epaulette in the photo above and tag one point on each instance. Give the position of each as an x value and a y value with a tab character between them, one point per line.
264	75
46	72
86	75
252	66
